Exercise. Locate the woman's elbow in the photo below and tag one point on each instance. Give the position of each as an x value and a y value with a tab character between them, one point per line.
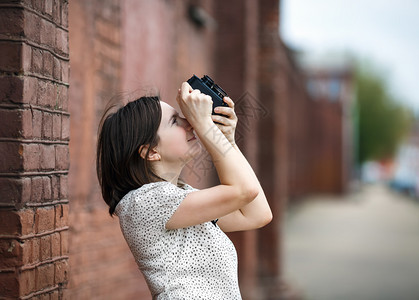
268	218
264	220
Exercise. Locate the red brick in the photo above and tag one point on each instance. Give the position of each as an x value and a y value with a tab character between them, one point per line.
47	157
55	183
61	271
26	58
36	189
9	222
63	187
27	282
65	294
37	61
11	89
15	190
56	126
10	122
55	244
44	219
64	14
56	12
10	253
62	95
65	128
62	157
27	252
45	251
10	58
64	242
45	296
61	40
61	215
51	95
28	3
9	284
38	5
32	25
55	295
27	221
47	33
29	90
64	71
26	131
56	74
47	125
11	21
36	248
46	188
31	157
48	66
46	93
48	7
37	117
17	223
12	157
26	190
44	276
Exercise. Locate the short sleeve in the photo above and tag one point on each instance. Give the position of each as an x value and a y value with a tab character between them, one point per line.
151	206
168	198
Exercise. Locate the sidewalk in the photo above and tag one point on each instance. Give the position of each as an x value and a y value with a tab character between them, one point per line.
364	246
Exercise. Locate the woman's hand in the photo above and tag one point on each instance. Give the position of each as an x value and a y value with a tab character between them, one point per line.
228	122
195	106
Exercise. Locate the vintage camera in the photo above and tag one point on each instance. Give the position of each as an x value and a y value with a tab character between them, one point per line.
207	86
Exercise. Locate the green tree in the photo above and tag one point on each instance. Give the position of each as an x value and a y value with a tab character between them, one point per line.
383	122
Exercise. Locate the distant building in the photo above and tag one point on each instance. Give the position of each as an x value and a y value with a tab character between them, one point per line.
329	82
406	166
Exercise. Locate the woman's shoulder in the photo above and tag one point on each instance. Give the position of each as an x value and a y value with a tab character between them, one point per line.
152	193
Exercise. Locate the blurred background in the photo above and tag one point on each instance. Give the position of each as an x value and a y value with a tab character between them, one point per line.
328	118
364	243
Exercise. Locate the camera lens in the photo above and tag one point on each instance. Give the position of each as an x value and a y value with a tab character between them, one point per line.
207	80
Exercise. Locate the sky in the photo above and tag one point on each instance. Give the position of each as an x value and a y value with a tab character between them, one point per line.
383	32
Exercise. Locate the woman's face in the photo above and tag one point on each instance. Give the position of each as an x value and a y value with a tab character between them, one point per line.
177	141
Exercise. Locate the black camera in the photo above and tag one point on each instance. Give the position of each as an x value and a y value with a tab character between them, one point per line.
207	86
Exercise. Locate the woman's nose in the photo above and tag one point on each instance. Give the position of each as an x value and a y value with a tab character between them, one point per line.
186	124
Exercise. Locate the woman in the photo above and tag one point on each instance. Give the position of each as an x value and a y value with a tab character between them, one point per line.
176	232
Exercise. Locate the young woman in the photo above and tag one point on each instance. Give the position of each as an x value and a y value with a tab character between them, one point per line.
176	232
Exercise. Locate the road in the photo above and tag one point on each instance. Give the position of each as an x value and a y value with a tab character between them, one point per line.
363	246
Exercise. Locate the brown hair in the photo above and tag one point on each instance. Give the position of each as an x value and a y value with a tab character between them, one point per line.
119	166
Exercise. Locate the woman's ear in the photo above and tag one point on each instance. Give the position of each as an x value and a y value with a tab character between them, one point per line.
152	154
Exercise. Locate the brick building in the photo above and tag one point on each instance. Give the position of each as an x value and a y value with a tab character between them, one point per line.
57	240
323	121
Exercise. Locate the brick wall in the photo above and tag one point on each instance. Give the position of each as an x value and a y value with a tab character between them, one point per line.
101	264
34	161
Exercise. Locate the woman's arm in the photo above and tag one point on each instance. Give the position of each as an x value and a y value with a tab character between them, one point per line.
238	185
257	213
254	215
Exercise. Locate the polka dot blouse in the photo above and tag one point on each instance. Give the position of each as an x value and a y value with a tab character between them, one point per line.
197	262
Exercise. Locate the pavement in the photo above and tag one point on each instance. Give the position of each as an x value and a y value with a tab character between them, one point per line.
362	246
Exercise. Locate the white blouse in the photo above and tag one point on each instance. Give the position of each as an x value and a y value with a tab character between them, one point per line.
197	262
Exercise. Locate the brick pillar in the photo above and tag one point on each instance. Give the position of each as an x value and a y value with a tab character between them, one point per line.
34	160
273	144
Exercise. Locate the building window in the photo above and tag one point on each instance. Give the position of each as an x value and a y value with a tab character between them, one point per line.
334	89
